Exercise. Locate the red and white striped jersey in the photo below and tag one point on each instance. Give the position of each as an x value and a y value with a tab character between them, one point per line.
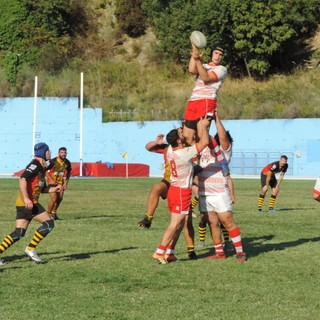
209	90
211	178
181	165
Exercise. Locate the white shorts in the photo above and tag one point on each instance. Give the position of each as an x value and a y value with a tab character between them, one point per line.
218	203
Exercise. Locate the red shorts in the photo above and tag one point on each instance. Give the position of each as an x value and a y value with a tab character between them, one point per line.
179	200
199	108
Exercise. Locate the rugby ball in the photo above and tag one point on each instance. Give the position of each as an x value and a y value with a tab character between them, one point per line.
198	39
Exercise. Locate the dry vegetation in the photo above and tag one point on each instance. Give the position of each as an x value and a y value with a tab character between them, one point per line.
129	81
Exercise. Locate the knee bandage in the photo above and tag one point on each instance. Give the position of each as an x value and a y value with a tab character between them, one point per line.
18	234
46	227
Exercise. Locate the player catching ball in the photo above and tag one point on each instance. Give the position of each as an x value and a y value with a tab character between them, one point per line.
209	78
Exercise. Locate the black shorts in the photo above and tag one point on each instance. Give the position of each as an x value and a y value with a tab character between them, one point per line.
27	214
191	124
273	180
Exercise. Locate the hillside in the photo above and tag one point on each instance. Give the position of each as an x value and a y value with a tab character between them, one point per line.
130	81
156	90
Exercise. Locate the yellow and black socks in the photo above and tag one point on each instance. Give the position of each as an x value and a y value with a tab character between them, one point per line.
194	202
225	233
41	233
260	202
191	253
11	238
272	201
202	229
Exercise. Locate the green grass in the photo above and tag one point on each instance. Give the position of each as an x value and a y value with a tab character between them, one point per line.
99	266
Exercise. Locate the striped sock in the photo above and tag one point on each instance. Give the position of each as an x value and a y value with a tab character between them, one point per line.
37	237
225	233
6	243
236	239
202	229
190	249
170	250
160	250
194	202
260	201
272	201
218	248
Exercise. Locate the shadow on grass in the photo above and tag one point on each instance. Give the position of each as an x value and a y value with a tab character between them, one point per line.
87	255
294	209
75	256
254	248
93	217
257	245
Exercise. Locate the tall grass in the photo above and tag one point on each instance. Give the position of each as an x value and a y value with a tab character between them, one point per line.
98	261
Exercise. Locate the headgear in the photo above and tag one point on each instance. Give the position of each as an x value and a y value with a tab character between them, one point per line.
40	150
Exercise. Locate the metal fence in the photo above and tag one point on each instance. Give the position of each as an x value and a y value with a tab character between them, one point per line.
251	163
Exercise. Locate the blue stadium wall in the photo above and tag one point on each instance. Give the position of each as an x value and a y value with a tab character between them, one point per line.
256	142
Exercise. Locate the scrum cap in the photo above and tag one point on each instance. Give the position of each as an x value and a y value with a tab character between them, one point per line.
40	150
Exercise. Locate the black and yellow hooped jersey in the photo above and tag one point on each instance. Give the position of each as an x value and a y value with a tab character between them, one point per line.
34	174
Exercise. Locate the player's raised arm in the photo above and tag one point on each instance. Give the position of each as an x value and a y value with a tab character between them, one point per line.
203	133
156	144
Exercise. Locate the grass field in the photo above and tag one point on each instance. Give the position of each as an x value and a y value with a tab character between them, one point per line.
98	261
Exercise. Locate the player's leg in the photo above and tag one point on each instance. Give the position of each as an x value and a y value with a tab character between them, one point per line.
275	192
47	224
227	243
202	229
263	180
169	254
189	236
57	205
179	206
53	198
168	236
159	189
17	234
215	230
227	220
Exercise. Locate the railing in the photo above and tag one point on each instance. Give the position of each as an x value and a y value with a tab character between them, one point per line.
251	162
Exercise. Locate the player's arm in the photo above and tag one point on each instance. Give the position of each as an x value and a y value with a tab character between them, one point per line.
23	184
55	189
206	76
231	188
280	179
65	184
266	186
157	144
222	133
192	62
49	178
203	133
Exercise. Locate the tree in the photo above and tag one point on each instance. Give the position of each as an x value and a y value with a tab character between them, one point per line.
130	17
255	33
38	33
